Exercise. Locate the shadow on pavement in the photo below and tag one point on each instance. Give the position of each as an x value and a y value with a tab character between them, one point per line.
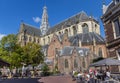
20	80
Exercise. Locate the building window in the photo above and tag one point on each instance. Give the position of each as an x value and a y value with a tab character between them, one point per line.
74	30
44	41
83	63
59	33
95	27
118	54
38	41
66	63
100	52
117	27
34	39
48	39
85	28
29	39
75	64
66	32
116	1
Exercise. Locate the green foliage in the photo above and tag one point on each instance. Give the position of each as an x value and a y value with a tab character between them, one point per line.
32	54
13	53
75	74
8	42
45	70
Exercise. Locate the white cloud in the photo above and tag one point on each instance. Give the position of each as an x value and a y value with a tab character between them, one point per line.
36	19
1	36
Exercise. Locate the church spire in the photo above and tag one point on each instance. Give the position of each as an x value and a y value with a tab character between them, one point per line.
44	23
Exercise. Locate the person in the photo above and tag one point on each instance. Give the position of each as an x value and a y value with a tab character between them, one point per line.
80	74
107	74
14	72
4	72
23	71
90	71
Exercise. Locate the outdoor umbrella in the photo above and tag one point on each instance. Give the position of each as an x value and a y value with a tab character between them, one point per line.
106	62
4	63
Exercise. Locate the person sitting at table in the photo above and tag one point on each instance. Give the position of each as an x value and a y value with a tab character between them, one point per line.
108	75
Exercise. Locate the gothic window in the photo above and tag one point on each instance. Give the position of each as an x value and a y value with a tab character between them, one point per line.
29	39
100	52
66	31
48	39
24	38
117	1
44	41
66	63
38	41
85	28
74	30
95	27
117	27
83	63
75	63
59	33
34	39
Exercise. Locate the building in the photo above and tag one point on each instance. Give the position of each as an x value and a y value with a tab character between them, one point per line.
111	21
79	33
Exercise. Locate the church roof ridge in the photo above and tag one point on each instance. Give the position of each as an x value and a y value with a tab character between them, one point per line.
31	30
82	12
76	18
32	26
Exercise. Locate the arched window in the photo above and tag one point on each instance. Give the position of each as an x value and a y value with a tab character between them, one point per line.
66	63
95	27
85	28
25	38
59	33
44	41
34	39
48	39
75	63
100	52
38	41
66	31
74	30
30	39
83	63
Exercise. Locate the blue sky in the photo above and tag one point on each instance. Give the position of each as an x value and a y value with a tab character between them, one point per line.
13	11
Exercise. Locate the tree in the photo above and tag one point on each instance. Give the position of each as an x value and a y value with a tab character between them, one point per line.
10	51
8	42
15	54
32	54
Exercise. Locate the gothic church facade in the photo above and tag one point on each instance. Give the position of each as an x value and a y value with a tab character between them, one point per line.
69	45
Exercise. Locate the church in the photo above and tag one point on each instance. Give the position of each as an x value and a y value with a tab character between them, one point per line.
69	45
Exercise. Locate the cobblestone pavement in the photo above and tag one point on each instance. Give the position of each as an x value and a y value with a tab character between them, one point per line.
57	79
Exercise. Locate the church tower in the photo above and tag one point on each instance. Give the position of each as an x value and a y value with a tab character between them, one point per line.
44	23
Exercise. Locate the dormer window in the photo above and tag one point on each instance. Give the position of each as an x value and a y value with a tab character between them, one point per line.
116	1
117	27
85	28
74	30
